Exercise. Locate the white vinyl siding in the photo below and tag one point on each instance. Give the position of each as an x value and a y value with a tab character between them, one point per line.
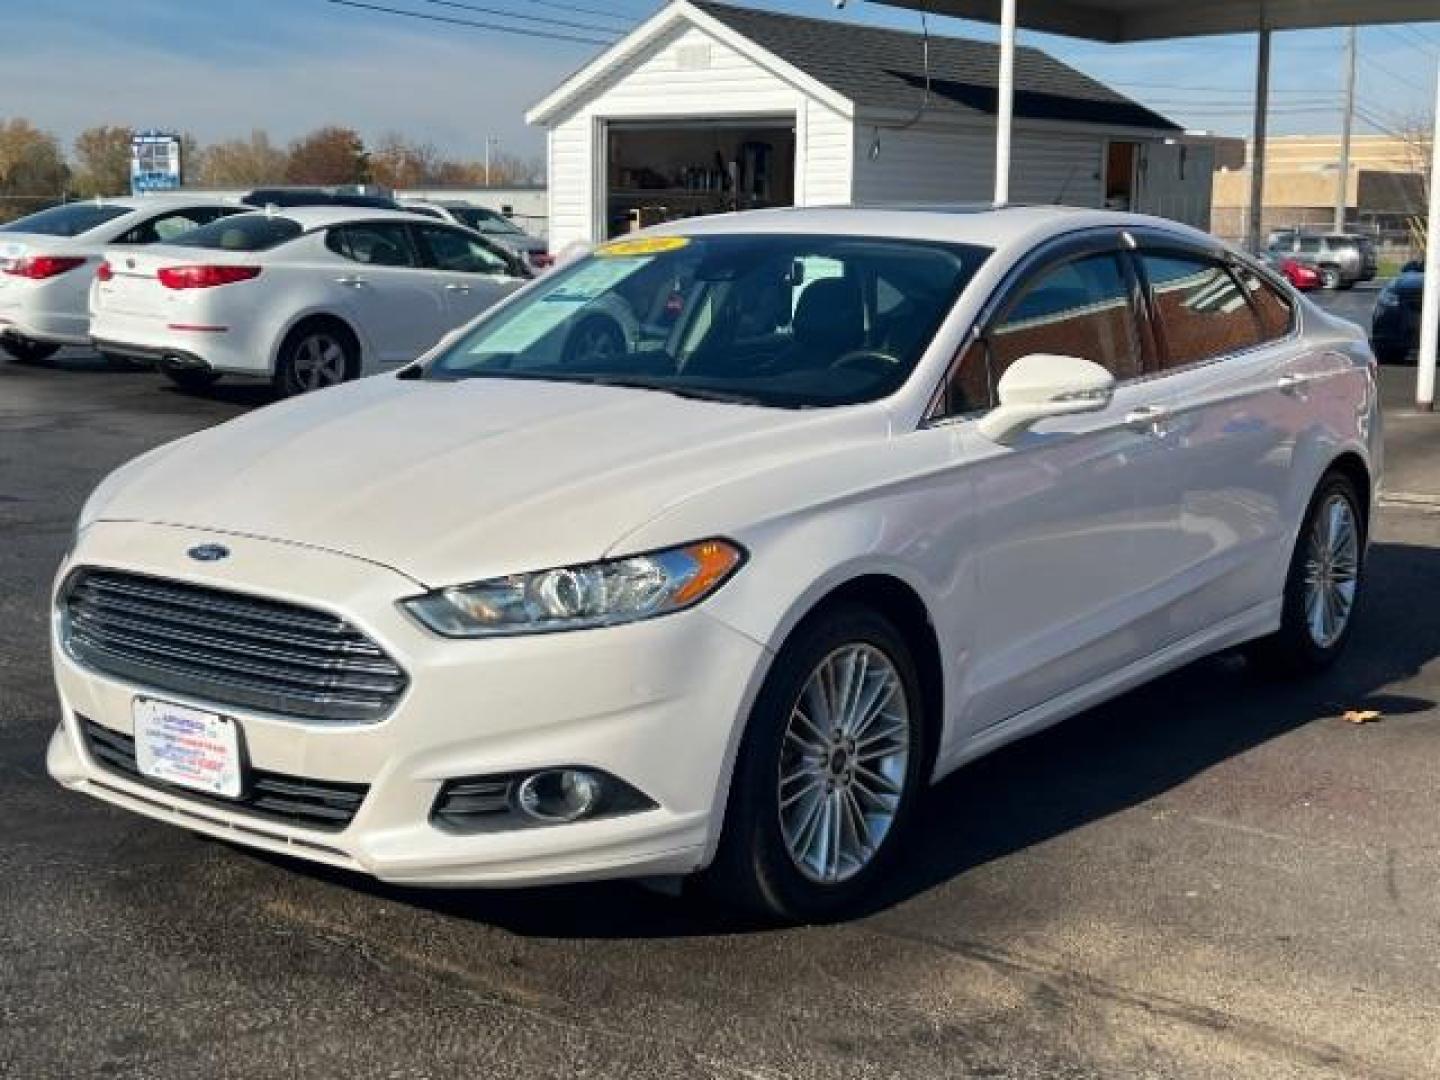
825	157
1053	168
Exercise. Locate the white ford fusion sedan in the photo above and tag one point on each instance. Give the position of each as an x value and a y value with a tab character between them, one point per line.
879	491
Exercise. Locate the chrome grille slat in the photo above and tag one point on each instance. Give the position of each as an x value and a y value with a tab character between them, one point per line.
228	649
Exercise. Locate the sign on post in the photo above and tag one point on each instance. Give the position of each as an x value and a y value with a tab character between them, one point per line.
154	162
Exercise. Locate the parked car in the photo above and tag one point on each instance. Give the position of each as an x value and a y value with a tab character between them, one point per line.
288	197
48	258
1395	325
488	223
1305	278
1341	260
900	487
307	298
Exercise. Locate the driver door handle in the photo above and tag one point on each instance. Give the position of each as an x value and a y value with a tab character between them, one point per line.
456	287
353	282
1149	419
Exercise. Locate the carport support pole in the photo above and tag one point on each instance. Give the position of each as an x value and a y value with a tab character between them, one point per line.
1257	144
1005	111
1430	310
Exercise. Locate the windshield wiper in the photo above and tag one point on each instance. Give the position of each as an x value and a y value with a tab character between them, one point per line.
681	390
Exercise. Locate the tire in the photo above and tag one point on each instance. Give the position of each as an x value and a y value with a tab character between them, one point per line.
25	351
190	378
596	337
1305	642
1329	278
116	362
314	356
754	868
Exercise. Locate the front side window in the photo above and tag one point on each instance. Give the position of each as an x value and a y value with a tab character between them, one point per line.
787	321
453	251
374	243
1200	307
73	219
486	222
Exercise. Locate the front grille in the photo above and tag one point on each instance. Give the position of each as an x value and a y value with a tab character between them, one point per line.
228	648
315	804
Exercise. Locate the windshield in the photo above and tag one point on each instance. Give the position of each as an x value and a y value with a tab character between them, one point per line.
486	221
243	232
786	321
72	219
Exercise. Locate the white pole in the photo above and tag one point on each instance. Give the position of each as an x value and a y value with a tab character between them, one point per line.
1430	310
1342	183
1005	115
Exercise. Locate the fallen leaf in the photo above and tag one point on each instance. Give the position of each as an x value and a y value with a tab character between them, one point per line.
1361	716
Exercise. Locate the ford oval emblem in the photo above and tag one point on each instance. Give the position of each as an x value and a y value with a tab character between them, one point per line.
209	553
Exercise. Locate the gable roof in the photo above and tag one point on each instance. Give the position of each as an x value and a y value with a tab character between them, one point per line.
884	70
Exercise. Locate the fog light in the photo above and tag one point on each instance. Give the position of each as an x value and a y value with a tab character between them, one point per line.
559	795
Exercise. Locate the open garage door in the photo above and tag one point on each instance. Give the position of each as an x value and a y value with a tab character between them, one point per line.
667	170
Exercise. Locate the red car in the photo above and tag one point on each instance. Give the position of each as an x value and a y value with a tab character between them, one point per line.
1298	274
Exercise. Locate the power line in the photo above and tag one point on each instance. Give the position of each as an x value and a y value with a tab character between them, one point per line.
496	27
543	20
624	17
1374	65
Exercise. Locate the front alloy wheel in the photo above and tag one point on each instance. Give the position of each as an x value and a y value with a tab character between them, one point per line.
842	766
828	772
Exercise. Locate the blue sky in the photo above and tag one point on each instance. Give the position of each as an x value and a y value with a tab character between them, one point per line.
219	68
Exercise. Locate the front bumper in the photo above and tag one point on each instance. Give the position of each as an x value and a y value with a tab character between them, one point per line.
656	704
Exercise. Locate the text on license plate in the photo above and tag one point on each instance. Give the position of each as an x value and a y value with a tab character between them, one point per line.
187	747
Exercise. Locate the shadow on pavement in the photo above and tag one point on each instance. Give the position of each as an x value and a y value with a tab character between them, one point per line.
1093	765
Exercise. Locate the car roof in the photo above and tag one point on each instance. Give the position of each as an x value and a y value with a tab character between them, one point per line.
160	201
320	217
961	223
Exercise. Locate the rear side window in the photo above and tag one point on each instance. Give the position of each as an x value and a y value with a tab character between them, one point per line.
1272	307
167	228
374	243
1203	313
73	219
242	232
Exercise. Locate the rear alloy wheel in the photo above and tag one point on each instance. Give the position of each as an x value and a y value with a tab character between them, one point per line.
313	359
1323	585
1329	277
828	773
25	351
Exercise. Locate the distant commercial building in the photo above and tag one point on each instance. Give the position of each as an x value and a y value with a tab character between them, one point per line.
1384	192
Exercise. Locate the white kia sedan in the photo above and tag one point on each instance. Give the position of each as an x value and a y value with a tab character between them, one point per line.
48	259
896	487
307	297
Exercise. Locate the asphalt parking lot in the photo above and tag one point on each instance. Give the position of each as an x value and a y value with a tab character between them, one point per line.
1214	876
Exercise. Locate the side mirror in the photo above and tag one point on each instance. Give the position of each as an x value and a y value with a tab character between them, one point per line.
1040	386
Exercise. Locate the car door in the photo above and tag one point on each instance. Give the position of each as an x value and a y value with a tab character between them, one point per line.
1061	602
472	275
1235	392
398	305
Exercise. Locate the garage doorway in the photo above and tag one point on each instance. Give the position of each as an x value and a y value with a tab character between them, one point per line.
658	171
1121	163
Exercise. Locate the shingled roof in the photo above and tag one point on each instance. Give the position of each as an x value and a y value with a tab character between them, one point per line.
884	69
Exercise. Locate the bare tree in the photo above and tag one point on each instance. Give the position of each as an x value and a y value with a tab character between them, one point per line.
1417	135
251	162
102	160
398	162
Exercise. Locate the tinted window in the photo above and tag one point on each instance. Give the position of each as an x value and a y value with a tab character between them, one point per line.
375	243
1081	308
453	251
242	232
1201	309
72	219
786	321
1272	307
170	227
1310	245
485	221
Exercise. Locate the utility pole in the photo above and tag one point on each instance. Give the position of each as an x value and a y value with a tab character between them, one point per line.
1342	182
1254	239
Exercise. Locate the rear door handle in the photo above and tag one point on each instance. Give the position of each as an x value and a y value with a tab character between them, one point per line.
454	287
355	282
1292	384
1147	418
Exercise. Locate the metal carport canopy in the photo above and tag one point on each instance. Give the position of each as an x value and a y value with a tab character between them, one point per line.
1121	21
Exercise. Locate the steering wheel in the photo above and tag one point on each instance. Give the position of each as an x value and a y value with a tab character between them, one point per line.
874	360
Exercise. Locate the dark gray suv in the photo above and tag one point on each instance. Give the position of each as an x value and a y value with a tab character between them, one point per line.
1341	259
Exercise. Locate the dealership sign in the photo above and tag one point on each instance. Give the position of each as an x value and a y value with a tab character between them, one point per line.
154	162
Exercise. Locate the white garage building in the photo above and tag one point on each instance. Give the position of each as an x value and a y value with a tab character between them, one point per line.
708	107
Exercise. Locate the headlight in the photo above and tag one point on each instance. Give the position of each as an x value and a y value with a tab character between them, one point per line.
581	597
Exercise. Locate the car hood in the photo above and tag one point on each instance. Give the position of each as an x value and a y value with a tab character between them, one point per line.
449	482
